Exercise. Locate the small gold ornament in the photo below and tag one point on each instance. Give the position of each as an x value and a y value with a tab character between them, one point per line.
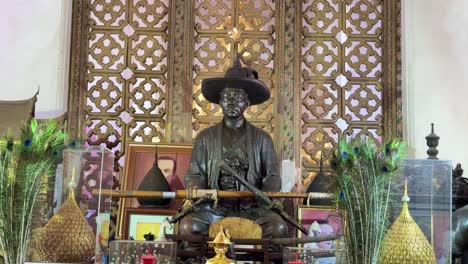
221	245
405	242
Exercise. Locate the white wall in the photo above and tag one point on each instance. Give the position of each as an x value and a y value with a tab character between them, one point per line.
435	65
34	51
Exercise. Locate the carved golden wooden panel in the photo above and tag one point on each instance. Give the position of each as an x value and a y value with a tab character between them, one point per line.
213	15
331	65
256	15
222	30
320	101
106	51
363	59
321	17
106	94
127	65
342	87
108	14
146	14
363	102
363	17
321	58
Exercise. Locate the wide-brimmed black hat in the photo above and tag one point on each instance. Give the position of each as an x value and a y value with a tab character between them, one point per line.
236	77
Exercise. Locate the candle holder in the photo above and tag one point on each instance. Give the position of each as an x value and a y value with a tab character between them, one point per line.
148	258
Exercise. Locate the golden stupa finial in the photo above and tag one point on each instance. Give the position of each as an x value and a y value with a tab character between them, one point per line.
71	184
404	241
405	197
71	187
221	244
67	237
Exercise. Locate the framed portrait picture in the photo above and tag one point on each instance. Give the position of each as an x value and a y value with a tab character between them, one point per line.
172	159
320	221
138	222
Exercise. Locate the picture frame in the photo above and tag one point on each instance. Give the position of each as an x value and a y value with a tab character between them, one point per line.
140	221
139	159
329	220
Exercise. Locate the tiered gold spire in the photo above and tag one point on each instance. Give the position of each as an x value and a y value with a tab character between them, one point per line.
405	242
67	236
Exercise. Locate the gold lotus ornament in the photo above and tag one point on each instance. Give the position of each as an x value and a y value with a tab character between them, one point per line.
221	245
67	237
405	242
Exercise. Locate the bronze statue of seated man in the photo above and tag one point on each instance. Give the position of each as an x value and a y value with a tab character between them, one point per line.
244	147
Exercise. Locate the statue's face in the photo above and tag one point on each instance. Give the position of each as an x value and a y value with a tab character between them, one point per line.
233	102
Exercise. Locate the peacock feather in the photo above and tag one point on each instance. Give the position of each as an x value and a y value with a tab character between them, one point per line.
364	175
24	164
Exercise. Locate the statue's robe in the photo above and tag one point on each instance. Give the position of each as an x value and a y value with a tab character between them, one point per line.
262	172
263	169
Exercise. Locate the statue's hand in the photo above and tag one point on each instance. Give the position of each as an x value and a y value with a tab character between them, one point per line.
227	182
232	162
276	204
187	204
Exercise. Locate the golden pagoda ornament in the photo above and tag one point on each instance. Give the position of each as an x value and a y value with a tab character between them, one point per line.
221	245
67	237
405	242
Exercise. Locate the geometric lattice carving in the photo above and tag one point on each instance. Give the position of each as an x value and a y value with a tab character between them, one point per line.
363	59
321	17
363	102
256	15
105	131
149	52
363	17
106	94
375	133
317	140
146	131
108	14
341	76
149	14
212	54
126	64
214	51
106	51
320	101
127	82
320	58
147	96
138	65
211	15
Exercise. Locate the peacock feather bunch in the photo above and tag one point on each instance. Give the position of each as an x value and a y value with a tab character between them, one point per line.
24	165
364	176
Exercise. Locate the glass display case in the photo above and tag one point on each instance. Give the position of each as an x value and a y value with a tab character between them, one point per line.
91	169
296	255
430	193
136	252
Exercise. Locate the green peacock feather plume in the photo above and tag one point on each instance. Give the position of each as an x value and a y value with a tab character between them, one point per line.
364	177
24	164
